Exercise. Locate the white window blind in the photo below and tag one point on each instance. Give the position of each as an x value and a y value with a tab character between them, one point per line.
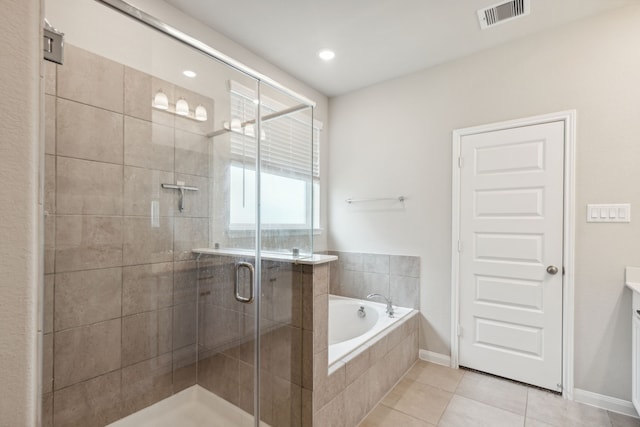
285	141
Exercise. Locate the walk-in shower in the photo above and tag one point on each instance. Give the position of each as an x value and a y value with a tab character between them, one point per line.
178	211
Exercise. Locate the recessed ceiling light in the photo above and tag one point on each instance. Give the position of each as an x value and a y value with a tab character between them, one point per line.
189	73
326	54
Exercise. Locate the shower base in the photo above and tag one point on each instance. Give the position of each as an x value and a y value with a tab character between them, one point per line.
192	407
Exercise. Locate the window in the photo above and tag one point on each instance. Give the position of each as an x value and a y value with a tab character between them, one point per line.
290	167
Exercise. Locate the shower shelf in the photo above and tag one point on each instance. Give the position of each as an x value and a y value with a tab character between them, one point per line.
313	259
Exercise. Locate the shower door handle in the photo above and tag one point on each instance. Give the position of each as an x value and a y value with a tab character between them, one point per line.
240	298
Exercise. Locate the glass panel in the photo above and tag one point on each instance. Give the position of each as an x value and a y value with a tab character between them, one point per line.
154	244
281	344
286	225
139	316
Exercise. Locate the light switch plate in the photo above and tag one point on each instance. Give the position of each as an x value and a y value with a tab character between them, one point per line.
618	212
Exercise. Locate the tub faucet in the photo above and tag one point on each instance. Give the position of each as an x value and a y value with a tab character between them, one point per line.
387	300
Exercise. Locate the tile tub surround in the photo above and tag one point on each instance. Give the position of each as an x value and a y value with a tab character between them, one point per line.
357	275
120	290
355	385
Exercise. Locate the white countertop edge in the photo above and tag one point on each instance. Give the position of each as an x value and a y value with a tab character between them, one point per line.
313	259
632	278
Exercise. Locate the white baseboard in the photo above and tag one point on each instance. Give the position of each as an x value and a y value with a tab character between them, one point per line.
430	356
609	403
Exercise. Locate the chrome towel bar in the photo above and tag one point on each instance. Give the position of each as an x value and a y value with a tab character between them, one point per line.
376	199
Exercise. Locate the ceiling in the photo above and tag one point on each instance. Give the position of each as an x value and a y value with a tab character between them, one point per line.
374	40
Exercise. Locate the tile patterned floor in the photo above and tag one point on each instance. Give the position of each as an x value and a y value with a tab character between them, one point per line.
432	395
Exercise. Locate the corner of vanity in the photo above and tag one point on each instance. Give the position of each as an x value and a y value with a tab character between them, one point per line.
632	281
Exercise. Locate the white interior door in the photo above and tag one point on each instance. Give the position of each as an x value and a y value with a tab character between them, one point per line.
511	228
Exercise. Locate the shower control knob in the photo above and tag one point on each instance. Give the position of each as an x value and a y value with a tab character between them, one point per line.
552	269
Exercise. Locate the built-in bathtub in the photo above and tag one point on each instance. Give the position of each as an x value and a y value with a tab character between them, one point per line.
354	324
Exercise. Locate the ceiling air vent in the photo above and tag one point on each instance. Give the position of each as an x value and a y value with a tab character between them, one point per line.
503	12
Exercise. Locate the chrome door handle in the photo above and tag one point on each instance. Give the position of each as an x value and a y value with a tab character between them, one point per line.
552	269
240	298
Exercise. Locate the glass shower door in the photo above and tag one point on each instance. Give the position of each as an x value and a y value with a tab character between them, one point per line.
229	285
263	187
176	209
285	236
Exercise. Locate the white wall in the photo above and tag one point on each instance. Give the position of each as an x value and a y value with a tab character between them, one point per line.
395	138
20	211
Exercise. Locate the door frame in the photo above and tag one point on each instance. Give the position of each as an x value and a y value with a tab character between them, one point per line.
569	119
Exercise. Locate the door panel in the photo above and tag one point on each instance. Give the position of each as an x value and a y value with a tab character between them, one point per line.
511	213
522	202
510	337
509	292
503	247
510	158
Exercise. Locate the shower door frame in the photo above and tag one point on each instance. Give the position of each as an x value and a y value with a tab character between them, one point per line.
142	17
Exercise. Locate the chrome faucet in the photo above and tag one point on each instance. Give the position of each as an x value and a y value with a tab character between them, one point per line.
387	300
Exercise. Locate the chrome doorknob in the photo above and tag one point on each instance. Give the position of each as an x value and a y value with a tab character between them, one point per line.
552	269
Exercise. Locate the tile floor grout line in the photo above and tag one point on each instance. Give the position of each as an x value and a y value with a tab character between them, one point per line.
413	416
445	409
403	413
388	393
416	381
489	404
454	393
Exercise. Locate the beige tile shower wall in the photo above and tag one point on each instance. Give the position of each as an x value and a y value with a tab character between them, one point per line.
120	286
357	275
344	397
84	22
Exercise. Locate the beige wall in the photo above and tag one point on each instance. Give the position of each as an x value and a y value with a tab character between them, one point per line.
395	138
20	211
